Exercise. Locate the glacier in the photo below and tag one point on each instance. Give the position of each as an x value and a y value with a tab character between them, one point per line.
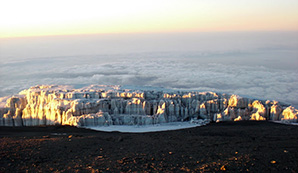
105	105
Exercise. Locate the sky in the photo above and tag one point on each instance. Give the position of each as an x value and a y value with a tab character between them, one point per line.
19	18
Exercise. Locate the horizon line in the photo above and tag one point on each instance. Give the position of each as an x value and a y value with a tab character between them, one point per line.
144	33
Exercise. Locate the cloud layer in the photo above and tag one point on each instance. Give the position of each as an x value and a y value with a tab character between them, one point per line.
219	72
258	64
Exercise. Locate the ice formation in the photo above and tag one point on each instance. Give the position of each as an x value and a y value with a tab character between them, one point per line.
100	105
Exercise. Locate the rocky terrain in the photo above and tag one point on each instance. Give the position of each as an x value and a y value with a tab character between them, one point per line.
98	105
243	146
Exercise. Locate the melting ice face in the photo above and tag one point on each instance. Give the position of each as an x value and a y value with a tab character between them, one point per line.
116	105
260	65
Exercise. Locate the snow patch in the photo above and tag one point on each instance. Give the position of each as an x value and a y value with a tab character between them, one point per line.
150	128
285	122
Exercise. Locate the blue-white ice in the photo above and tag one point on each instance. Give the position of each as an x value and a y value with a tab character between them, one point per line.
149	128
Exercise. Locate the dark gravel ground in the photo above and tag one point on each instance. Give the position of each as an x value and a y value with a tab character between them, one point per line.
227	146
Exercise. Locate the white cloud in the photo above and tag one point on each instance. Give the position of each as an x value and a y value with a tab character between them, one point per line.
254	81
264	70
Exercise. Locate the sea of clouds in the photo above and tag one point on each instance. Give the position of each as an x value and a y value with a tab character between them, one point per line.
228	63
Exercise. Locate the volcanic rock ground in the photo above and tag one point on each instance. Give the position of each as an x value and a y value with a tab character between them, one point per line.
227	146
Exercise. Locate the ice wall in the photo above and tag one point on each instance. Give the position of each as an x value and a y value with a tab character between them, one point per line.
116	105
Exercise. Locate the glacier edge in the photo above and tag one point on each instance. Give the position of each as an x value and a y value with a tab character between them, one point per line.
103	105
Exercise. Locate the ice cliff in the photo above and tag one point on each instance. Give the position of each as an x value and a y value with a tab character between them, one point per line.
99	105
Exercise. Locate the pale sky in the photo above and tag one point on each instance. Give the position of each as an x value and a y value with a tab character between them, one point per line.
19	18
